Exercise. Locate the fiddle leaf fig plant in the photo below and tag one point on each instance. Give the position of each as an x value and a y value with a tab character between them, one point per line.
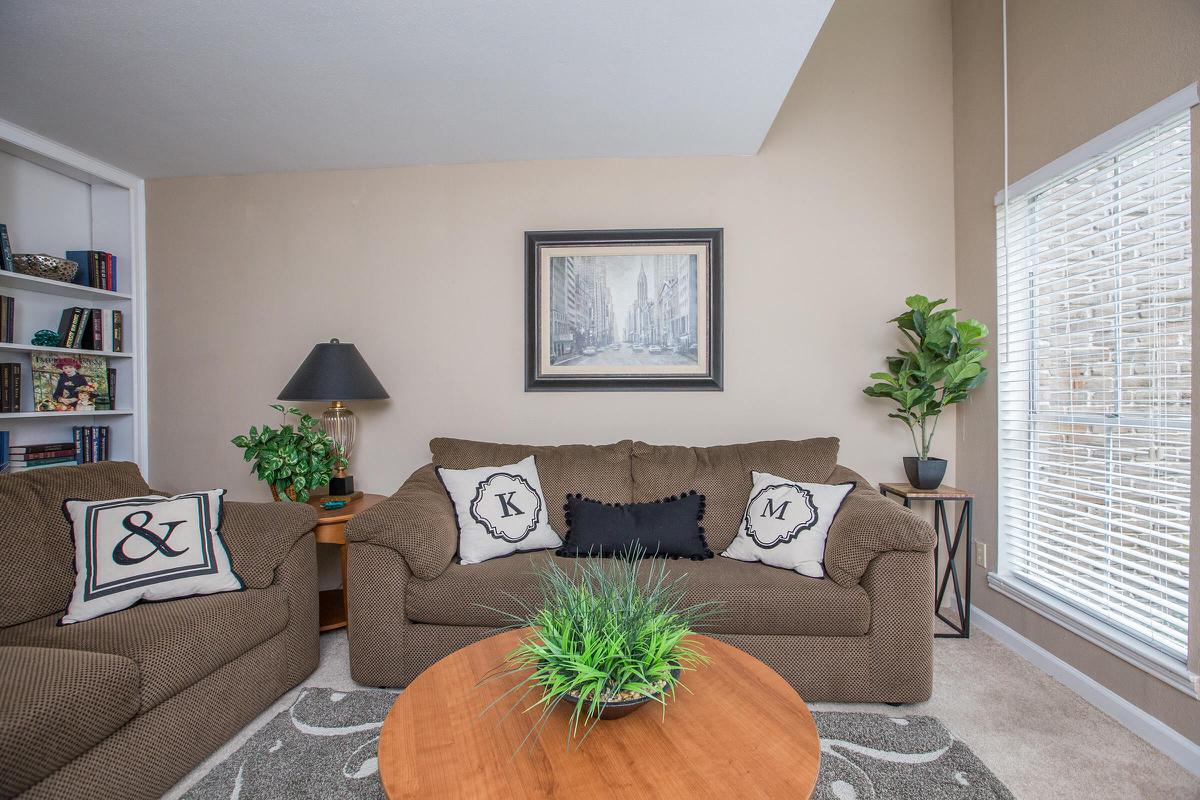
943	365
292	459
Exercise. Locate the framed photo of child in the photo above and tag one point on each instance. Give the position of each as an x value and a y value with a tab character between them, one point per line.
72	383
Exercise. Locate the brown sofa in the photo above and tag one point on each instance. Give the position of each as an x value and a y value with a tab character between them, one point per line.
863	634
126	704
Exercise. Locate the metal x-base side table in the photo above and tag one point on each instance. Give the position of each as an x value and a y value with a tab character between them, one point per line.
941	527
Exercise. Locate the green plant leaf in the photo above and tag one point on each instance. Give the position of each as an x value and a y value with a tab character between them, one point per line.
942	368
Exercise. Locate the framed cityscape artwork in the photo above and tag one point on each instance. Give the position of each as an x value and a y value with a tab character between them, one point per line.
623	310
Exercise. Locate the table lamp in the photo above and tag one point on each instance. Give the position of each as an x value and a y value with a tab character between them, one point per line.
336	371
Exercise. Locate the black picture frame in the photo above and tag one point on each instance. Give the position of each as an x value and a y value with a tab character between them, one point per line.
541	376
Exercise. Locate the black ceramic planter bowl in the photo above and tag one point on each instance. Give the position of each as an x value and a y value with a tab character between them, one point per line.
620	708
926	473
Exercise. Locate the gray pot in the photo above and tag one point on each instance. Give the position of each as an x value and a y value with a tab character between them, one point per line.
925	473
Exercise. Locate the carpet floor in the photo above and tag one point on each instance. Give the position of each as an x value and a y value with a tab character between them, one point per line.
324	748
1037	736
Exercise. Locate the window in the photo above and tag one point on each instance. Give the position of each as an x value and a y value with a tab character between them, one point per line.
1095	382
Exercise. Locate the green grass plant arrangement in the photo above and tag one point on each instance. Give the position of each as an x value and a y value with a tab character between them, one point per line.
292	459
608	632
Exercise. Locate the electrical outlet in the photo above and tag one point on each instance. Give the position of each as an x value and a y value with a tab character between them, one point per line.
981	554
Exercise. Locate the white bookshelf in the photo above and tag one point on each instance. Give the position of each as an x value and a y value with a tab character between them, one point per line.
54	199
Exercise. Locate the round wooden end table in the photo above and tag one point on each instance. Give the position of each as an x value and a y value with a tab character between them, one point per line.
740	732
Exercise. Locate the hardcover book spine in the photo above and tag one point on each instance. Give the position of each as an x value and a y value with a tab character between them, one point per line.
94	260
83	335
64	326
16	390
104	443
112	389
81	257
5	388
118	331
110	271
37	462
42	448
77	431
97	320
4	458
6	262
73	331
70	451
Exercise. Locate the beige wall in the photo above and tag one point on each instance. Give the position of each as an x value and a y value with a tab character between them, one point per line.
847	209
1076	69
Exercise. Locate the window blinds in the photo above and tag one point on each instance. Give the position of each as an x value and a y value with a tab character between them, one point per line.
1095	376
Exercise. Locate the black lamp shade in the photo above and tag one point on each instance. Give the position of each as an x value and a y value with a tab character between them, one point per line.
334	371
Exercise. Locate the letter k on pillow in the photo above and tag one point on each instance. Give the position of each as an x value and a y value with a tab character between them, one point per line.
500	510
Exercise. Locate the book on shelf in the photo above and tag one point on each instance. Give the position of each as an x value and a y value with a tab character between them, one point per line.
49	447
7	322
91	443
97	269
69	382
112	392
4	437
21	466
35	456
6	262
91	329
68	326
10	388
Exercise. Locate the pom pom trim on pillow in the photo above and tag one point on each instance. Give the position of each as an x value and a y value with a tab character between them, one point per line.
610	549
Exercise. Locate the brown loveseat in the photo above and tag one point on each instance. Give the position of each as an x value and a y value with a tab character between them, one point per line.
124	705
862	634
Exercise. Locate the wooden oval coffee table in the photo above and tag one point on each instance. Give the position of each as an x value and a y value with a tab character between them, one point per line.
741	732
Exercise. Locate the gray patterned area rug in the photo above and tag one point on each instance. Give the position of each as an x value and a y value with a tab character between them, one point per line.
323	748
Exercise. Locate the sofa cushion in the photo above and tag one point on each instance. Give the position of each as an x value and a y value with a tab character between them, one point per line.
667	528
722	475
786	523
174	643
758	599
56	705
500	510
598	471
151	548
36	550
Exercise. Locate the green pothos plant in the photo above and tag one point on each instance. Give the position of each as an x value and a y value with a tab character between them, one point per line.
943	366
292	459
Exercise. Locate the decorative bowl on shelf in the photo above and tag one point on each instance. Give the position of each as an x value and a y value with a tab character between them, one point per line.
40	265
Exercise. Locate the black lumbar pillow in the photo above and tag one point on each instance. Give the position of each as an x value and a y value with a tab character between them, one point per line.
668	528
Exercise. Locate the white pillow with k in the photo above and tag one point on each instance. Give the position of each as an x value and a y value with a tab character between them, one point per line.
786	523
500	510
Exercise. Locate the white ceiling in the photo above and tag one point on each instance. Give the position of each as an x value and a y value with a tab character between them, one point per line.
213	87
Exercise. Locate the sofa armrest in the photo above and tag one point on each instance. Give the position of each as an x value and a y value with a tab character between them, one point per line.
260	536
869	524
417	522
